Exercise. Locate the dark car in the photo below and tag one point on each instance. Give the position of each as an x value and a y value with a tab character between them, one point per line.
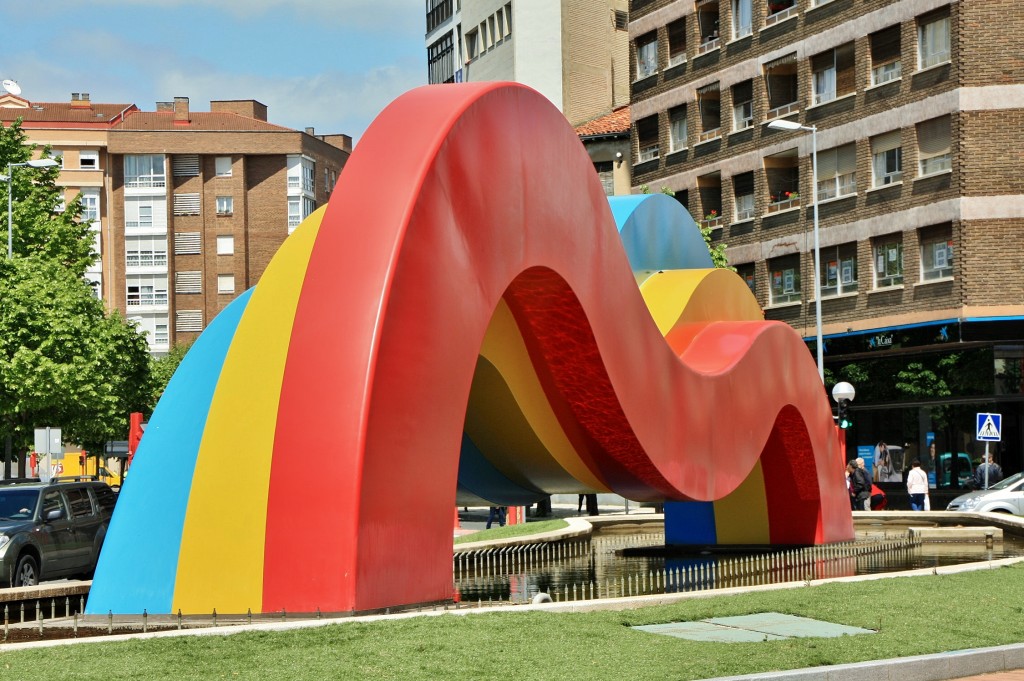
52	530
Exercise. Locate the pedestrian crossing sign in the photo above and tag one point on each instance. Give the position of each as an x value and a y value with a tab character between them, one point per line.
990	427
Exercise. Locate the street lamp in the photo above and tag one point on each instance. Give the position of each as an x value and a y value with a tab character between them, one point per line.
9	179
782	124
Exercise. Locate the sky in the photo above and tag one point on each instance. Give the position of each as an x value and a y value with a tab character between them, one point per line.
328	64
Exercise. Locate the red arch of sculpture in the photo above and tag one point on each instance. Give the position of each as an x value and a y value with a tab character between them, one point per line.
455	197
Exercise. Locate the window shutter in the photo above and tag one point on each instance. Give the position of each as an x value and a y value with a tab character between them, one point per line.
885	45
188	320
186	204
743	92
677	38
844	69
188	282
885	142
933	137
825	60
185	165
846	159
827	164
187	243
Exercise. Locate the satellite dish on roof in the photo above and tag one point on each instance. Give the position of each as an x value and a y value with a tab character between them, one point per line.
12	87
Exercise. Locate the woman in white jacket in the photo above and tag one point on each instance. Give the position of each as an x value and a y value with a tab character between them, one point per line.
917	486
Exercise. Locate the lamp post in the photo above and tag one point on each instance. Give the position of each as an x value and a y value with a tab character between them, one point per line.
9	179
781	124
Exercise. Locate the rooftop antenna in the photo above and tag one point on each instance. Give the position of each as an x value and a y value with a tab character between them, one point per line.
12	87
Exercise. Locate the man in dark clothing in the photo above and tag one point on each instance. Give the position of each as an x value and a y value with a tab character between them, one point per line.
995	474
860	486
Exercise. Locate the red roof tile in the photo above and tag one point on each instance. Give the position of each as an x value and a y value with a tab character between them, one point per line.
615	123
63	112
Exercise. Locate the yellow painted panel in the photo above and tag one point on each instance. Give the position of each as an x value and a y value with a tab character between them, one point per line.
221	558
742	516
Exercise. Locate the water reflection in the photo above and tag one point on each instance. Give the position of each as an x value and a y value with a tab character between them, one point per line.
616	564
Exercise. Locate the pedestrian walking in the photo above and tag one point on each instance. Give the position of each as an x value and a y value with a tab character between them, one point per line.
917	486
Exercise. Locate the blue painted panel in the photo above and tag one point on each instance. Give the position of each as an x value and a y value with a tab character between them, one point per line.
150	514
690	522
658	233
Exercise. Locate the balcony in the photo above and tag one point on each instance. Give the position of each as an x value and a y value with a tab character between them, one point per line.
786	201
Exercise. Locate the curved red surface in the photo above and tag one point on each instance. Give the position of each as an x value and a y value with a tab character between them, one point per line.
455	197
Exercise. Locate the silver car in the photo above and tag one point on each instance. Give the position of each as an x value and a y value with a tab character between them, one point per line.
1006	496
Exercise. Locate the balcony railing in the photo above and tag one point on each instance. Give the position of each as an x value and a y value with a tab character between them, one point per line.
777	206
709	135
783	110
780	15
710	44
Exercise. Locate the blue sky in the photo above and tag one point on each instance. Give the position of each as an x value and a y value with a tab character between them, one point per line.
329	64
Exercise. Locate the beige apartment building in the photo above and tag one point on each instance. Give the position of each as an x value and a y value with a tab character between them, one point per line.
188	207
917	110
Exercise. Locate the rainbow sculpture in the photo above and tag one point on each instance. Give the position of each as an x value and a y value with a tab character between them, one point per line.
463	318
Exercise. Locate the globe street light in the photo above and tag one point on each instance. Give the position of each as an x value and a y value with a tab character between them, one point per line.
9	179
781	124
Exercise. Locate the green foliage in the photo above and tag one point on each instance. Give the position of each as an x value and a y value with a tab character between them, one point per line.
63	360
162	368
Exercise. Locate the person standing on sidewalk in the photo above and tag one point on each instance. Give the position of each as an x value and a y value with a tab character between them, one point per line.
917	486
860	486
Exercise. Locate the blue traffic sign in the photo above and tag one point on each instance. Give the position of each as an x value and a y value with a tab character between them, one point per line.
990	427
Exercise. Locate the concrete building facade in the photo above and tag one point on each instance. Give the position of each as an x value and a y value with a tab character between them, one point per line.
918	107
188	207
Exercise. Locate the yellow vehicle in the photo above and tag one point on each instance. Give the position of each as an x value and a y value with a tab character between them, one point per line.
73	465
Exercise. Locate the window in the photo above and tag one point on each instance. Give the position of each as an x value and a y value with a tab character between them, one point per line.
186	204
301	173
294	213
58	156
886	159
225	244
677	128
933	146
839	270
90	205
784	282
742	18
780	79
441	60
144	170
889	262
677	42
188	282
52	502
188	243
743	196
225	205
185	165
145	212
710	188
782	171
606	173
742	105
647	137
647	55
187	321
438	11
621	20
154	325
89	159
225	283
779	10
707	26
885	55
833	73
746	273
936	253
222	166
837	172
472	45
146	289
145	251
79	502
933	40
709	104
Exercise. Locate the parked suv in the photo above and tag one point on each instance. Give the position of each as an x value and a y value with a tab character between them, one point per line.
51	530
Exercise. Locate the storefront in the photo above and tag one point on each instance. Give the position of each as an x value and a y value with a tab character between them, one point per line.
919	389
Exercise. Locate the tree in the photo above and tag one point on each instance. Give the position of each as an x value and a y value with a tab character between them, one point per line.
63	360
162	368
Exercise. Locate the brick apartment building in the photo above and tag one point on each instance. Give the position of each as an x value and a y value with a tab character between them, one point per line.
188	207
919	111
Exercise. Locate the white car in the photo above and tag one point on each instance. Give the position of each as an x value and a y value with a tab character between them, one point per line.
1006	496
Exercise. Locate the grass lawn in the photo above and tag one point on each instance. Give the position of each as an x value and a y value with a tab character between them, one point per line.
913	615
512	531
